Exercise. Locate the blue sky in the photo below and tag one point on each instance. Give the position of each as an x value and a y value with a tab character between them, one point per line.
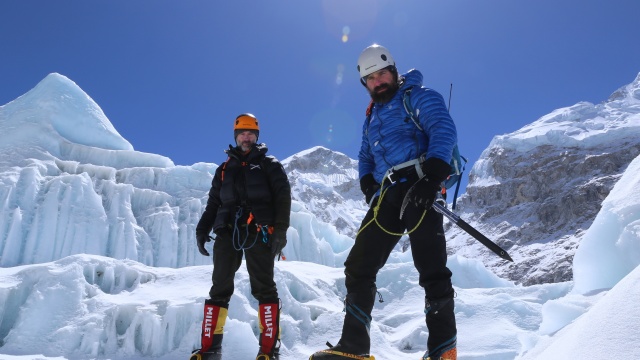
172	76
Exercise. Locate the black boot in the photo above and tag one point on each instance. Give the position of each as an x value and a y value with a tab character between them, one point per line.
355	341
441	322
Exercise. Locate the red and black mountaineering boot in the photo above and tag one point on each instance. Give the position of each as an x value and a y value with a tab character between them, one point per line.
212	330
269	319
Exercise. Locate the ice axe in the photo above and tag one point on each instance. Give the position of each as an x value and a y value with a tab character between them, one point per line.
437	206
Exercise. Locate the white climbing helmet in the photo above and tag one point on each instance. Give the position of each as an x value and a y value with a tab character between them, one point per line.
374	58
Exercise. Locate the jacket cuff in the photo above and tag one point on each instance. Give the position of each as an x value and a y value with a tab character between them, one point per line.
436	169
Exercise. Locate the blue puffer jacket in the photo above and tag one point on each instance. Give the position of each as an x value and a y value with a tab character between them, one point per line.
391	138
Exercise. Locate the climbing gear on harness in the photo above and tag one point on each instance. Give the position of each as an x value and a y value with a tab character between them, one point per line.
376	208
405	170
411	167
239	244
261	230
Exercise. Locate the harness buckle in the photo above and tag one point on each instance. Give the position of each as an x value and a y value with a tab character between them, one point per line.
393	174
389	175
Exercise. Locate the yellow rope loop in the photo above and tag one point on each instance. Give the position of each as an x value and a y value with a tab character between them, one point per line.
375	216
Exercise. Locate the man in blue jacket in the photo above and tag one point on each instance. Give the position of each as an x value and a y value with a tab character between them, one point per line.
396	154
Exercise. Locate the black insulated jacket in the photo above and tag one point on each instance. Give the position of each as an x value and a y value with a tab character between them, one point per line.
253	182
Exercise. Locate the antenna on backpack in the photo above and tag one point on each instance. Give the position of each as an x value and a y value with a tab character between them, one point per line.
450	91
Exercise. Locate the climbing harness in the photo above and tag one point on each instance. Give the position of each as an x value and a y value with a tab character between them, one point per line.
241	244
238	242
393	175
401	170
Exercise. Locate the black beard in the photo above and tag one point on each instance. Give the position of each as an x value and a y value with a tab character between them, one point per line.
385	96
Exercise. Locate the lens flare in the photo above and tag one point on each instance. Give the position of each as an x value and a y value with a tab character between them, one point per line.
334	127
345	34
351	20
340	74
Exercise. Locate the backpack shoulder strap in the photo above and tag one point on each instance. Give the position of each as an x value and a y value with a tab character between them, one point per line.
368	114
406	101
369	109
224	167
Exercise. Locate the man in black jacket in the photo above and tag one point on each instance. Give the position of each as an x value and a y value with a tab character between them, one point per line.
248	209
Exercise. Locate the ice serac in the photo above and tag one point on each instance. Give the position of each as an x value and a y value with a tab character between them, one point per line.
538	189
70	184
59	104
58	119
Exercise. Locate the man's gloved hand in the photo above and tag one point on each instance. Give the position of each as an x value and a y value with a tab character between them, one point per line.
426	189
202	239
424	193
278	241
369	187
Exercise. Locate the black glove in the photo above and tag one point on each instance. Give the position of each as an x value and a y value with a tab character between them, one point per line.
424	193
436	169
369	186
426	189
202	239
278	241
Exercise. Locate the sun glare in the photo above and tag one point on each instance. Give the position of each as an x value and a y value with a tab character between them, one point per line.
345	34
340	74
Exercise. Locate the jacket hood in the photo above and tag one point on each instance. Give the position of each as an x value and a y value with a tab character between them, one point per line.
411	78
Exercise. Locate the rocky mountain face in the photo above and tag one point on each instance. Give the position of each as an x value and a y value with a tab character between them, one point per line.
550	198
327	183
536	194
